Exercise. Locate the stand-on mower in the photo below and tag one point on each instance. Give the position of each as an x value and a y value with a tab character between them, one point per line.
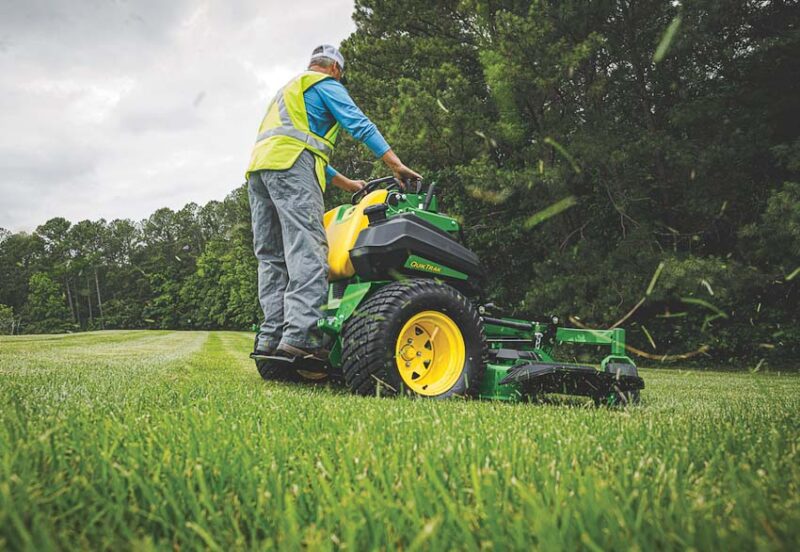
406	315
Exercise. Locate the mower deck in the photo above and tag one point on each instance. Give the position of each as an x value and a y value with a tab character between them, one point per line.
521	364
570	379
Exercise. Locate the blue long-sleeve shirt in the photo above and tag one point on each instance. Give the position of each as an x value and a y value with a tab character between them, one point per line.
328	102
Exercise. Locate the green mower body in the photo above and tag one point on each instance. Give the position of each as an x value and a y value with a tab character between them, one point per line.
406	314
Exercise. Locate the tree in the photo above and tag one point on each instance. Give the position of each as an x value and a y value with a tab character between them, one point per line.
45	310
20	255
55	237
6	320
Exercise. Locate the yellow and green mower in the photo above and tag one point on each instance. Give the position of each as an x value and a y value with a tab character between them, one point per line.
405	315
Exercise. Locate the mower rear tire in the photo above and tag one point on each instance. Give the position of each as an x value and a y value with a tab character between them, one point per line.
417	337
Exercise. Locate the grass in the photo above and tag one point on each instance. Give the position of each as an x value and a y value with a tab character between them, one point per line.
170	440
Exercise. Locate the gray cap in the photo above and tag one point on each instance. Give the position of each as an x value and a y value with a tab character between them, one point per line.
328	51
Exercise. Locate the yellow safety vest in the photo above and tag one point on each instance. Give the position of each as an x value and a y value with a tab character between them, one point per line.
284	132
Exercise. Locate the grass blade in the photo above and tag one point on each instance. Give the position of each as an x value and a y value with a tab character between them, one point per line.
551	211
666	39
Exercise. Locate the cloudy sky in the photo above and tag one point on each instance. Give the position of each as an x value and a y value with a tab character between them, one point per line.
113	108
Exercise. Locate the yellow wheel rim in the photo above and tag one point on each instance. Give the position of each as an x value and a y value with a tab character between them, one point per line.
430	353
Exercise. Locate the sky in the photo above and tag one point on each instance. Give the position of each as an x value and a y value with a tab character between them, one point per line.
114	108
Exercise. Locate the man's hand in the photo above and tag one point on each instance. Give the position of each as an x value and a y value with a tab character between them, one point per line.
356	185
400	171
341	181
403	174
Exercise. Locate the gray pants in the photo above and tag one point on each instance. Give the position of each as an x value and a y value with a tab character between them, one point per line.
289	241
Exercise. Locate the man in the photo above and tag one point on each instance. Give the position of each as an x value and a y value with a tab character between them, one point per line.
287	174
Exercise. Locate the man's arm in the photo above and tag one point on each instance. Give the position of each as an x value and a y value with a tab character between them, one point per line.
332	176
353	120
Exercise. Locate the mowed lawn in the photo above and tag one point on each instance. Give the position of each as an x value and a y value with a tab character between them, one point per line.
171	440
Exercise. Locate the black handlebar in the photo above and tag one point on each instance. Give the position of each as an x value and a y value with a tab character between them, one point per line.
393	184
373	185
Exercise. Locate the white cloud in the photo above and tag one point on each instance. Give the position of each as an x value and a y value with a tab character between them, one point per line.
116	109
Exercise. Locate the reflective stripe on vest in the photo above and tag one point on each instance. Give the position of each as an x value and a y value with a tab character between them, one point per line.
309	139
288	129
298	135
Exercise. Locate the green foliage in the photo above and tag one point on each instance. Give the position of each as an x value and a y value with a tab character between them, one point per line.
170	440
191	268
774	241
222	291
6	319
45	306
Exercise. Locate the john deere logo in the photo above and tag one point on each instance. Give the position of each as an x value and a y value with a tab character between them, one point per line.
427	267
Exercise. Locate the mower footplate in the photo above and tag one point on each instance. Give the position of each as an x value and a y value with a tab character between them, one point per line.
313	365
572	379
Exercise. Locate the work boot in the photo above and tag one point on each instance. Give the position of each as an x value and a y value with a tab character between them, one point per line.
290	351
261	353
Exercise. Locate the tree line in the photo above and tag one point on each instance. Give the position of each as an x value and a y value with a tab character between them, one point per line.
185	269
611	162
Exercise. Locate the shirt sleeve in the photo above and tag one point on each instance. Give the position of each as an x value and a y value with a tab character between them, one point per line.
352	119
330	172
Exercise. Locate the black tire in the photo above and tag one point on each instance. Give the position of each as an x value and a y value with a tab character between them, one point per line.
369	337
